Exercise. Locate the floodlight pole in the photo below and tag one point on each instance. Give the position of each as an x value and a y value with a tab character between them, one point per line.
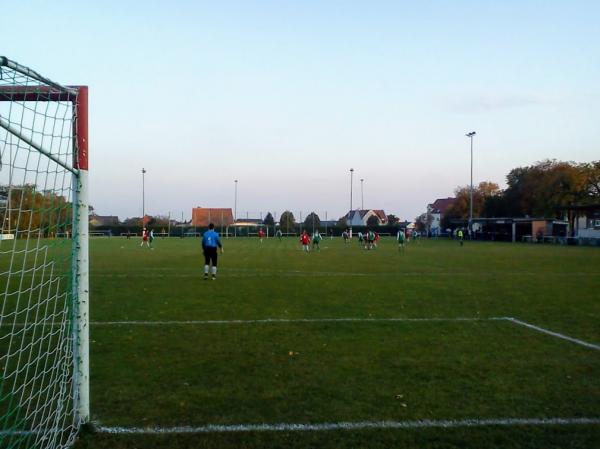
235	210
470	136
351	181
143	198
362	197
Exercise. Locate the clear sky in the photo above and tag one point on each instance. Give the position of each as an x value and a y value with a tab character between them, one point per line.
287	96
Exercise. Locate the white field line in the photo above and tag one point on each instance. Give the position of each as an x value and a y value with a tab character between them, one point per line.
291	320
359	425
329	320
554	334
233	272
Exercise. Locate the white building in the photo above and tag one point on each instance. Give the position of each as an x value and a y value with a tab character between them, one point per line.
436	210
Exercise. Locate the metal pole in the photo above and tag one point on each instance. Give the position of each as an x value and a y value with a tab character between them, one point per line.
362	197
470	136
471	199
235	210
143	197
169	227
351	178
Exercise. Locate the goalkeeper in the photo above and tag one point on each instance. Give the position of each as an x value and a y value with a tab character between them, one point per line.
210	242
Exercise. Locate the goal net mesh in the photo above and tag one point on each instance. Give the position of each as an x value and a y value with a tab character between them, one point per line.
36	300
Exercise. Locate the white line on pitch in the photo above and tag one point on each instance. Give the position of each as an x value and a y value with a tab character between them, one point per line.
290	427
554	334
291	320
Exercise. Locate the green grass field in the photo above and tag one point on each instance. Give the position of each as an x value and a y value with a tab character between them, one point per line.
209	362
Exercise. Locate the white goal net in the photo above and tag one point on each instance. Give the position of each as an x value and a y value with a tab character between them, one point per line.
43	278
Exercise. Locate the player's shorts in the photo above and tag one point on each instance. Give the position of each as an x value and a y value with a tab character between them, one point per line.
210	255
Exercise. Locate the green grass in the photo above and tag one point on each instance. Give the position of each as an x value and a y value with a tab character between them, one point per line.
243	373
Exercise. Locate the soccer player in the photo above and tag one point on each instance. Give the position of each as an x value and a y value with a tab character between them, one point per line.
145	237
401	237
370	239
461	236
305	240
316	240
345	236
151	238
361	239
376	239
210	242
261	234
279	234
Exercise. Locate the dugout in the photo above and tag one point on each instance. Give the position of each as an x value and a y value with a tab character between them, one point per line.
521	229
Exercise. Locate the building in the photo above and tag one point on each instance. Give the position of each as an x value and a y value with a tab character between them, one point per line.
203	216
436	211
526	229
584	222
360	217
104	220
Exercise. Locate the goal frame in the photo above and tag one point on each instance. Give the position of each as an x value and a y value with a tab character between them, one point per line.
49	90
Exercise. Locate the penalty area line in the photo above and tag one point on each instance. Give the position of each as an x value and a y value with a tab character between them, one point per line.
293	320
554	334
360	425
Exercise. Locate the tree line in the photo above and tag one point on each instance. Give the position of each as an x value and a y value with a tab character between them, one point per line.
538	190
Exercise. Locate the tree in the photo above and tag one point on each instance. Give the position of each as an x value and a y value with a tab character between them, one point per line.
132	221
540	189
269	220
342	224
373	220
461	206
592	179
312	221
287	221
392	219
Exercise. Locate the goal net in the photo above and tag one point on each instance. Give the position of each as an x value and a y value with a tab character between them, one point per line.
43	260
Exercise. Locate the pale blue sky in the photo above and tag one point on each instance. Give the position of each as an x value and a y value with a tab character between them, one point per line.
287	96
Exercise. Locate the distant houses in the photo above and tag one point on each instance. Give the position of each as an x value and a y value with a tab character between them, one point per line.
203	216
360	217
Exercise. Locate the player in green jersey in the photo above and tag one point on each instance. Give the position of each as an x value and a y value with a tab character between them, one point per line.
401	238
316	239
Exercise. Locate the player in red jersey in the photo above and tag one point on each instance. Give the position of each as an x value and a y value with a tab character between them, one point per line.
261	234
305	240
145	238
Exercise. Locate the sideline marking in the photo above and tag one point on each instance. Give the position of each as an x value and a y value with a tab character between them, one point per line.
359	425
553	334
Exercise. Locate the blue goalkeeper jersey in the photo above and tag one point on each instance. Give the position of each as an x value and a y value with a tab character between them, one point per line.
211	239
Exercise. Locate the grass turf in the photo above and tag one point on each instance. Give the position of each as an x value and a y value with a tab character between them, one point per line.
344	371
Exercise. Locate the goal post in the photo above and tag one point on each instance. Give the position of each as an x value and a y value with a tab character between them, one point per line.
44	280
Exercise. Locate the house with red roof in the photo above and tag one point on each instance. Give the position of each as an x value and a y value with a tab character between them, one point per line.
202	216
437	210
